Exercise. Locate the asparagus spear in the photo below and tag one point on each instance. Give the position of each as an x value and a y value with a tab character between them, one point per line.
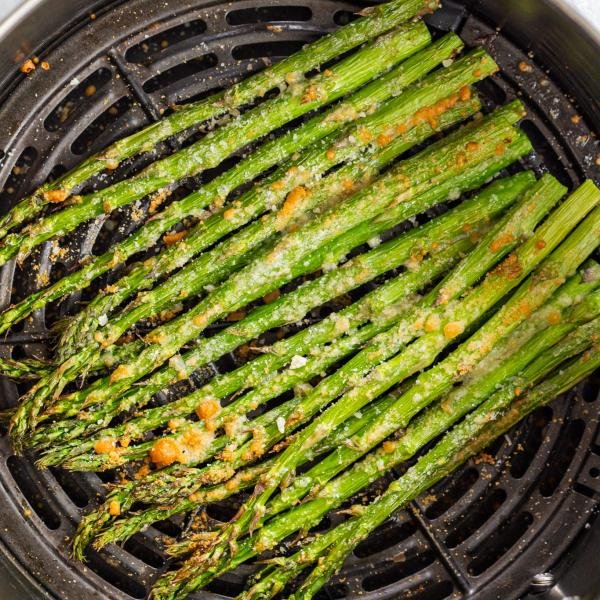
479	429
436	94
127	496
424	351
375	58
516	226
27	368
494	199
283	263
270	153
32	368
309	513
435	421
291	307
384	18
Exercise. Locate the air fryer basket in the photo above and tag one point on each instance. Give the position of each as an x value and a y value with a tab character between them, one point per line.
511	522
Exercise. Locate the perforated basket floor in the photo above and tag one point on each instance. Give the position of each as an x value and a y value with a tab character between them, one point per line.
484	532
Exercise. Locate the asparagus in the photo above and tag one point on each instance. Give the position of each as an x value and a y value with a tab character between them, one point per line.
382	19
510	359
494	199
126	496
122	529
269	154
26	368
428	427
346	485
493	419
246	376
424	351
436	94
33	368
318	360
287	260
291	307
212	149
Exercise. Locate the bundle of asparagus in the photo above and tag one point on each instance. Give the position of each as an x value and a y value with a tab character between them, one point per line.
498	285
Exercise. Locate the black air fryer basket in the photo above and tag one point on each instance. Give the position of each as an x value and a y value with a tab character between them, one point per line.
517	521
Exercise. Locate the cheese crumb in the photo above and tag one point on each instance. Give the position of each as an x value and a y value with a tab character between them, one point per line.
280	422
298	362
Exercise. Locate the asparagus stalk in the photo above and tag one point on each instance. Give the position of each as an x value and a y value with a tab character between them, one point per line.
27	368
436	94
424	351
126	496
291	307
375	58
32	368
530	295
435	421
479	429
382	19
387	256
270	153
307	514
283	263
233	253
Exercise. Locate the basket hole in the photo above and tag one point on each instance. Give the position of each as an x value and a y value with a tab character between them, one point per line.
17	177
336	591
561	457
179	72
168	527
433	591
266	49
145	52
480	512
398	571
590	388
452	493
385	537
343	17
492	92
500	542
117	575
226	589
24	475
85	142
72	487
594	472
529	445
546	154
266	14
146	554
221	512
83	92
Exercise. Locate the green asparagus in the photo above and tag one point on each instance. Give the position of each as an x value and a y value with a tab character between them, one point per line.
413	112
270	153
382	19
